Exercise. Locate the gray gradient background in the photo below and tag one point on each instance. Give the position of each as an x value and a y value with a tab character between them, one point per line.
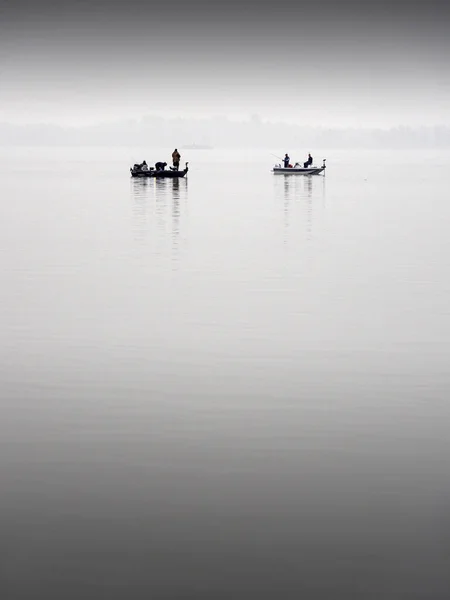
345	63
155	336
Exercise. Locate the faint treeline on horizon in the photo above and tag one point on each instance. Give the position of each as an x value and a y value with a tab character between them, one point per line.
220	132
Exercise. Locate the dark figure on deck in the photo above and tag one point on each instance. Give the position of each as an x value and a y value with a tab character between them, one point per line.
308	162
140	166
286	160
160	166
176	159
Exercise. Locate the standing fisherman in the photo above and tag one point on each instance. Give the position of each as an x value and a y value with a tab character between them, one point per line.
176	159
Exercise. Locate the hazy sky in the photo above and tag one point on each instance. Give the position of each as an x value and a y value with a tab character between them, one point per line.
320	63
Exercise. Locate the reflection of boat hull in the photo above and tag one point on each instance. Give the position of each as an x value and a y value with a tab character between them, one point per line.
138	172
299	170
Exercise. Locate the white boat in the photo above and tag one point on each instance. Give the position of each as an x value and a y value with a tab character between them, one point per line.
299	170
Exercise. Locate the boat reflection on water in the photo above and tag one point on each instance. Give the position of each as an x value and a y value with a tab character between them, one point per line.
157	214
140	208
301	199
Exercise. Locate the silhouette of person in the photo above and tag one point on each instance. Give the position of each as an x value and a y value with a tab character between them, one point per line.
176	159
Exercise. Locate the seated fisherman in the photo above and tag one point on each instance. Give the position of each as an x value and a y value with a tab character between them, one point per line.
308	162
160	166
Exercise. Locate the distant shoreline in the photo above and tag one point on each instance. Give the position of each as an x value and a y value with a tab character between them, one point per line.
228	135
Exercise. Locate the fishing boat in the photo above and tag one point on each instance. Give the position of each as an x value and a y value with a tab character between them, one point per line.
299	170
138	171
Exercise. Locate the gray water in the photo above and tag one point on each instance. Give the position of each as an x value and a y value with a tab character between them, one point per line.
234	385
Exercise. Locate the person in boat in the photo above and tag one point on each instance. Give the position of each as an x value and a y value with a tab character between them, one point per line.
176	159
286	160
144	166
160	166
308	162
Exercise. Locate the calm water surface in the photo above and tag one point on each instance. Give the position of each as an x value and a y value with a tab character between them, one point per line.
234	385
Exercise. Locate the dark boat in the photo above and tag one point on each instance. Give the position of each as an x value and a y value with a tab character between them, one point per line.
137	171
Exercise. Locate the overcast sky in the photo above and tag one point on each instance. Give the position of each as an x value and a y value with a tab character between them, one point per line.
320	63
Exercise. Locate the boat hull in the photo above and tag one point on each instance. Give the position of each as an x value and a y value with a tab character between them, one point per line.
159	174
298	170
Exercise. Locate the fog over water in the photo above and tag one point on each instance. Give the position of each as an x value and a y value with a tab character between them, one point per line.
346	63
230	385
